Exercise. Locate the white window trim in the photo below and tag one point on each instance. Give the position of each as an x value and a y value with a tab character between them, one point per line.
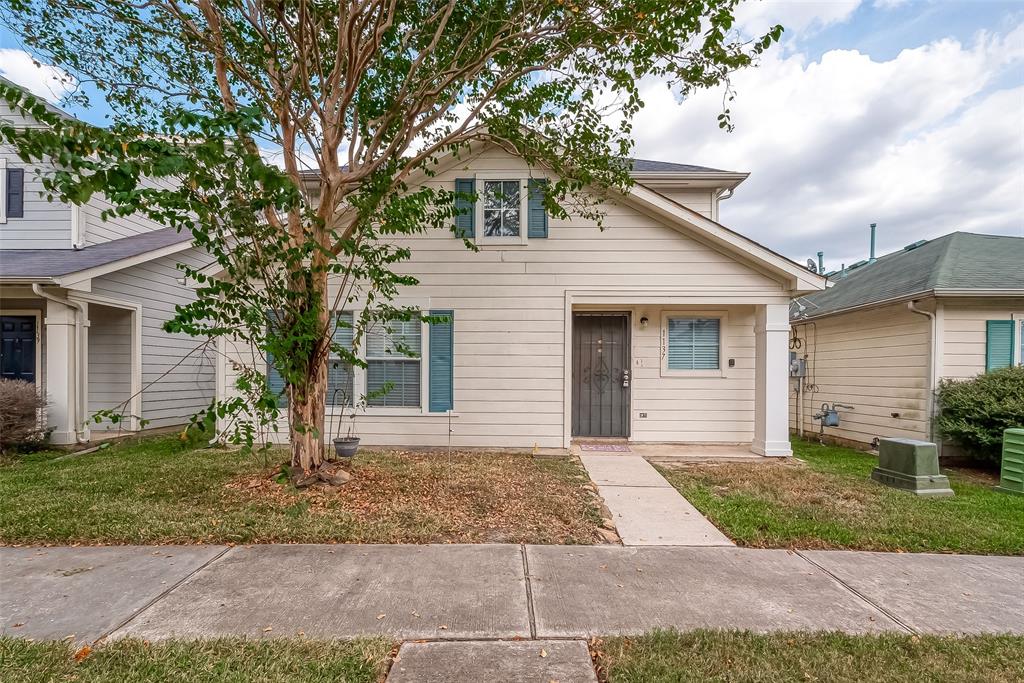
3	190
359	381
723	326
478	219
1018	319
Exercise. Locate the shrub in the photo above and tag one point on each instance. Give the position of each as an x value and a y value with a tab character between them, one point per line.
22	415
974	413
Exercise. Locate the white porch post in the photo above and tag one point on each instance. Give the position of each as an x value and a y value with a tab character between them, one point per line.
771	373
64	394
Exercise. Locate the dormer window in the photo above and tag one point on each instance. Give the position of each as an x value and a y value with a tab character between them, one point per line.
502	208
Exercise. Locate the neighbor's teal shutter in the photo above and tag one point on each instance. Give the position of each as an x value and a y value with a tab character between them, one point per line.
465	225
537	215
998	344
274	379
442	342
15	193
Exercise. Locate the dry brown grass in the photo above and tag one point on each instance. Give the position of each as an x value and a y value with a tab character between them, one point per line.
407	497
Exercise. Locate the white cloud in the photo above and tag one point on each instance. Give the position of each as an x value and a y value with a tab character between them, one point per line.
928	142
796	16
42	80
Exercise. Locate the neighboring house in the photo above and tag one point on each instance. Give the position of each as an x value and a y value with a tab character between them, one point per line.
82	304
884	333
664	327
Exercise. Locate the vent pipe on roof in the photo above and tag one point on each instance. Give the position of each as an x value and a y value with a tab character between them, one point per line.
871	258
821	262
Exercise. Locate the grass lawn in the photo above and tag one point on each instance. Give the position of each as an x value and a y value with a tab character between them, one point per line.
829	501
665	656
161	490
359	661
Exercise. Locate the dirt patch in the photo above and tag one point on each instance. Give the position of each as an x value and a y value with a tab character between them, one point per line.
434	498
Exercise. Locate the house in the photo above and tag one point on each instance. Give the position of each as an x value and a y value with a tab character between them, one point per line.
883	335
82	304
665	326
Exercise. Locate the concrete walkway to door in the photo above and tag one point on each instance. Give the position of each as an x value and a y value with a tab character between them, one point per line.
646	509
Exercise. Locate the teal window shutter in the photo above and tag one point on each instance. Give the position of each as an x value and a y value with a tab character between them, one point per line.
537	215
15	193
465	218
274	379
442	347
693	343
998	344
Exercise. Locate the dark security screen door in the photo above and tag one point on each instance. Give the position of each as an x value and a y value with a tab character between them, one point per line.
600	374
18	347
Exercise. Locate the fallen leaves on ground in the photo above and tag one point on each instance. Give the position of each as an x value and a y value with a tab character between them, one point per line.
421	497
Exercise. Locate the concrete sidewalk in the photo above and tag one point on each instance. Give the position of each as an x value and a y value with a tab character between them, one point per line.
646	509
494	592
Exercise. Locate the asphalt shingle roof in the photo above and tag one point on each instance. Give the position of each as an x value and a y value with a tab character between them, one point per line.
959	260
40	263
649	166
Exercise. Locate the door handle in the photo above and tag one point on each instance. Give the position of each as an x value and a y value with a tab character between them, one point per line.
625	378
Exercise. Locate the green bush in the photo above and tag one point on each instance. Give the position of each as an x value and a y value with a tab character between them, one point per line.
22	412
974	413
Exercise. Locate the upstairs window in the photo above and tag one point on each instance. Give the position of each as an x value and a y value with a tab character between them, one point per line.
502	208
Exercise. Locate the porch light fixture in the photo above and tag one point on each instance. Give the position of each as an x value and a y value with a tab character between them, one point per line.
643	322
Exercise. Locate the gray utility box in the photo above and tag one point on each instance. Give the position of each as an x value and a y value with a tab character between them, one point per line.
911	465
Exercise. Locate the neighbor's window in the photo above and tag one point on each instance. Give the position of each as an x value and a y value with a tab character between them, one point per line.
387	363
502	208
693	343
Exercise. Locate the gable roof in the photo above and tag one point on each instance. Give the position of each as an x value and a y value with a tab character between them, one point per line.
79	264
958	263
650	166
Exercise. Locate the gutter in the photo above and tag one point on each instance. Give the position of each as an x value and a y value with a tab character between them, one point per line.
78	405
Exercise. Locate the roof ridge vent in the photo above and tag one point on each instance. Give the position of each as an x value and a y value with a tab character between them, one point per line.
914	245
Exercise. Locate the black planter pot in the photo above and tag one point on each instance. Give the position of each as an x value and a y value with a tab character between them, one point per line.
346	447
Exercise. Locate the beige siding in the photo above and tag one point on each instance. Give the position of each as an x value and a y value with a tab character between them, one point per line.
177	370
510	302
110	361
701	201
877	362
963	349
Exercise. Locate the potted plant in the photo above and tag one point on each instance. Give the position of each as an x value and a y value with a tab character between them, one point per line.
346	446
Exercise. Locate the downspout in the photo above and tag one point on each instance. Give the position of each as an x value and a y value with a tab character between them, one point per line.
933	355
78	407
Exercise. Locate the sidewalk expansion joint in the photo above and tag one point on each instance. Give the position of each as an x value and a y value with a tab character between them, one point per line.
162	595
529	593
892	617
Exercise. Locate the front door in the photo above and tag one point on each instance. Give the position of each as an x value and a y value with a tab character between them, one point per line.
600	374
18	347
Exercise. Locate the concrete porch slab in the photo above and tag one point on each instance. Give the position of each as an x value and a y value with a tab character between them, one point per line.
523	661
588	591
345	591
53	593
936	593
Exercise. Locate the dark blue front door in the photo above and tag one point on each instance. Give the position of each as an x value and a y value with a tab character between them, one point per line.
18	347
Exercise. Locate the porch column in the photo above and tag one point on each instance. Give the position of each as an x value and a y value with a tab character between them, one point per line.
771	379
62	372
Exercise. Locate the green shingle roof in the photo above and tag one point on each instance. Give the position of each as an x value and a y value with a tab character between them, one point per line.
958	261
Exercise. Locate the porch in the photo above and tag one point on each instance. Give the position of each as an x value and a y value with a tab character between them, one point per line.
678	376
83	352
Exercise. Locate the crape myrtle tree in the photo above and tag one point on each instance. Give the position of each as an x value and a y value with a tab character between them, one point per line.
291	138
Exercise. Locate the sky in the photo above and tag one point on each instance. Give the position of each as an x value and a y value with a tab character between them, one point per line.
904	113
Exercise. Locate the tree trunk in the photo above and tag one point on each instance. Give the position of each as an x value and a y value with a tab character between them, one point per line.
307	419
308	403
